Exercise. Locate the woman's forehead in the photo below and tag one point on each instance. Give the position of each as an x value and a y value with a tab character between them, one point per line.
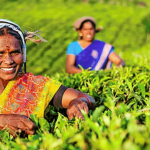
87	24
9	41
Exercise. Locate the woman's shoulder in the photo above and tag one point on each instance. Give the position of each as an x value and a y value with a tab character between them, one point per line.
73	43
30	77
99	41
73	48
29	74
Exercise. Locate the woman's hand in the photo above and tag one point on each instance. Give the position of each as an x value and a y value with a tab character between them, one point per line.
15	123
75	101
75	107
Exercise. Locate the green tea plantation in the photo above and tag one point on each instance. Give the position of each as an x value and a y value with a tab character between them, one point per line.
121	120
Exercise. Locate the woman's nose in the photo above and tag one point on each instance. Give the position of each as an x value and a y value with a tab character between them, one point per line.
8	59
89	31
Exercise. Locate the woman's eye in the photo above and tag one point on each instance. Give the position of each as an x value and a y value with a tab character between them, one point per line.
15	53
1	54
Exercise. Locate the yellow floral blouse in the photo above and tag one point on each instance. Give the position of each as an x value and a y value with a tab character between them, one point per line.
28	94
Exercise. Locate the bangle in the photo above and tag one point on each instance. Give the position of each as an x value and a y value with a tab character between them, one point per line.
86	98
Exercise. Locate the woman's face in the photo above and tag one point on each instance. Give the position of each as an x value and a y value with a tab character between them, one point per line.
87	31
11	57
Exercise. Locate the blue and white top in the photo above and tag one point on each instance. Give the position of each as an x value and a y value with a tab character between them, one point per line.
95	56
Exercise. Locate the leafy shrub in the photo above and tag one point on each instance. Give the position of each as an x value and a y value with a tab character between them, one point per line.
121	120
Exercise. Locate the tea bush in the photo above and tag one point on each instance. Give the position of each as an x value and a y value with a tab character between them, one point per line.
126	27
121	119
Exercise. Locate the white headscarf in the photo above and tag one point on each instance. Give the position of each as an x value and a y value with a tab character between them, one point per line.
15	27
29	35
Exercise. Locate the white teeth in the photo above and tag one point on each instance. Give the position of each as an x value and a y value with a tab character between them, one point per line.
7	69
88	36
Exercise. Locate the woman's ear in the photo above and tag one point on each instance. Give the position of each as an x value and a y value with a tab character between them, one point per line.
80	33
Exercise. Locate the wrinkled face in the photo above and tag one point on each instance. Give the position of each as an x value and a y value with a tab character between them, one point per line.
87	31
11	57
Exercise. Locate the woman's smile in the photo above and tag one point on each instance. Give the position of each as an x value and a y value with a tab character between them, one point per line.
88	36
11	57
87	31
8	70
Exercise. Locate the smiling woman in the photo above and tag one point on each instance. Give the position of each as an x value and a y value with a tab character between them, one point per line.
23	94
87	52
11	57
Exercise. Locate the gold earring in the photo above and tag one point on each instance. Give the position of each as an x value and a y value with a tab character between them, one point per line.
80	34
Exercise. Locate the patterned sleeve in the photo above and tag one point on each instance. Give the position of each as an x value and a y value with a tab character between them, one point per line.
51	87
71	49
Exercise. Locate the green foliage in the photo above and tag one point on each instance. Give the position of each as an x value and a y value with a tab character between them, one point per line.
121	119
126	27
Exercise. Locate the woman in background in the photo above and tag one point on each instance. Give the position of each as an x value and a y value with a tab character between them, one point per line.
87	52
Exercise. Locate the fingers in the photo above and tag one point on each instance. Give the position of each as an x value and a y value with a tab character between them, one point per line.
25	122
30	132
84	107
15	131
18	132
22	123
27	125
70	115
12	130
75	108
19	123
26	129
77	114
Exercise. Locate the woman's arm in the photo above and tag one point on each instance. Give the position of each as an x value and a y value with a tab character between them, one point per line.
70	65
74	101
114	58
16	124
71	94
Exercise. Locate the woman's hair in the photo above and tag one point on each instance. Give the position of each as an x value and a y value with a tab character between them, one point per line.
13	29
81	26
10	31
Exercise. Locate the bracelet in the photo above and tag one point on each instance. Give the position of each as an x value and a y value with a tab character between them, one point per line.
86	98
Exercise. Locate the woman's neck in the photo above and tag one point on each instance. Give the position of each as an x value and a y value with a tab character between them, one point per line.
84	43
3	85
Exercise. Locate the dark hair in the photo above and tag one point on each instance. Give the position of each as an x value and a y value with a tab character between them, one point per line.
94	25
10	31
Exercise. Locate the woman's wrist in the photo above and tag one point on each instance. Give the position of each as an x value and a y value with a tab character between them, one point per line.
88	99
85	99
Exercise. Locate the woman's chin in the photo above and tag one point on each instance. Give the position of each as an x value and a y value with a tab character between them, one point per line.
8	77
89	40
